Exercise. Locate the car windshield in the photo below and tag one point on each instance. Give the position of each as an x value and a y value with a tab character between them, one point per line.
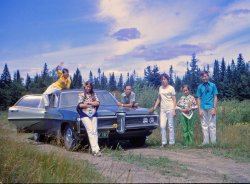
70	99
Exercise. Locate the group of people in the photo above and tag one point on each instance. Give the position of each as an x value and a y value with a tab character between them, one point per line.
206	104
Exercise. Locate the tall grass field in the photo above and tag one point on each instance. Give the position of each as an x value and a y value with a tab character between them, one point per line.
21	163
233	126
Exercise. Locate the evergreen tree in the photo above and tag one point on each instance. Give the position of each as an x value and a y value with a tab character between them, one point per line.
216	72
91	77
221	84
17	77
194	74
222	70
77	79
240	64
112	82
187	77
227	84
177	84
36	78
28	82
208	69
152	76
132	80
120	83
34	85
45	80
5	98
99	75
16	91
71	84
104	81
156	76
96	83
5	83
243	89
45	72
5	77
128	79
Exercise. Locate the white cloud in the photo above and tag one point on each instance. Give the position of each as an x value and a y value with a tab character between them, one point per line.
226	25
158	22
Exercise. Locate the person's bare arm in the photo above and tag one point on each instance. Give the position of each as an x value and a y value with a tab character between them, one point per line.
130	105
174	103
85	105
199	106
215	105
156	104
95	103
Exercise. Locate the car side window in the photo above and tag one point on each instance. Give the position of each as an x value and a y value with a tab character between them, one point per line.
29	101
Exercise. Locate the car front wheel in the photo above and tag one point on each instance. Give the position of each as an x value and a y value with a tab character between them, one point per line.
69	138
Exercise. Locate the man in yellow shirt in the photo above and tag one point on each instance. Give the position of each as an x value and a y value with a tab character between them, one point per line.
62	83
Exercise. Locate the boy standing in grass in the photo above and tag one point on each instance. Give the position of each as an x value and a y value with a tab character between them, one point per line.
186	105
207	104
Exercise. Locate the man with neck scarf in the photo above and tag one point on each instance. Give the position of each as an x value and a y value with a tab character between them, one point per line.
207	104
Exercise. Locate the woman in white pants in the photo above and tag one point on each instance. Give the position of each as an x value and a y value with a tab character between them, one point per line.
167	101
88	103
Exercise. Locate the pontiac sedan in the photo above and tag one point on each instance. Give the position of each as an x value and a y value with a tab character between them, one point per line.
61	119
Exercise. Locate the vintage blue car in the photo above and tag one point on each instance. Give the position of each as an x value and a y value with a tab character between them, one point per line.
61	119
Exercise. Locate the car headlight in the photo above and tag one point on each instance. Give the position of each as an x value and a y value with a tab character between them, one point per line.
151	120
145	120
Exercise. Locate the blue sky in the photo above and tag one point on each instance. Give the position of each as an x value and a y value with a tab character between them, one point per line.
121	35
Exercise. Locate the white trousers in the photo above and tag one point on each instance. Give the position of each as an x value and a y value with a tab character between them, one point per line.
167	116
208	124
48	91
91	128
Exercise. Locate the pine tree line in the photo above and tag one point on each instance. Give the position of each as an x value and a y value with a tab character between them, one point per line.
232	80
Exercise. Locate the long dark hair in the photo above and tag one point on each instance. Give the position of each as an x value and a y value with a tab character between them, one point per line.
92	93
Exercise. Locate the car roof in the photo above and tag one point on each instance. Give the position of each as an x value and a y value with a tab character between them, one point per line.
80	90
69	90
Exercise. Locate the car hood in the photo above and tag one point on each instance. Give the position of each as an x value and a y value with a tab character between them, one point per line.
112	110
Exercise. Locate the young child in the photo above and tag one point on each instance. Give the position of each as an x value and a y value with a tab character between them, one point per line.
186	105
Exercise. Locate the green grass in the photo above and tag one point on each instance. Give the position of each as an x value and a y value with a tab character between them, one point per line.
233	132
22	163
161	164
233	126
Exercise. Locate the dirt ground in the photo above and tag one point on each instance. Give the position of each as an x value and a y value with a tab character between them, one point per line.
201	165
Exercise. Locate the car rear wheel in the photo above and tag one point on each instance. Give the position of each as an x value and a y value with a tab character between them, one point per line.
138	141
69	138
38	137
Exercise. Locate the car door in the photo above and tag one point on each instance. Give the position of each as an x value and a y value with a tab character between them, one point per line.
27	113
